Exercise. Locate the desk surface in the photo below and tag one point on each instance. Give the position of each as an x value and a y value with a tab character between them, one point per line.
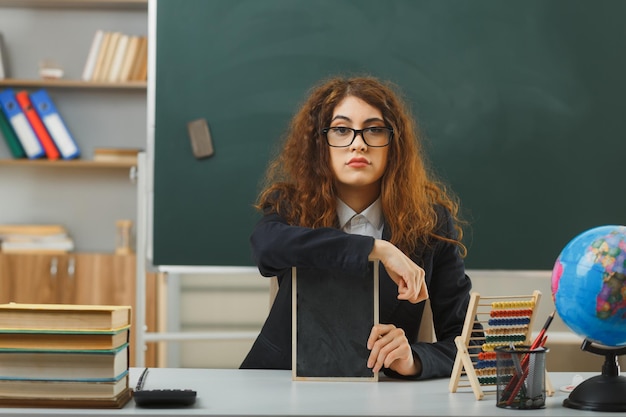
224	392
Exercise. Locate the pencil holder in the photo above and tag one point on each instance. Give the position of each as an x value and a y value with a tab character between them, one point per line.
521	377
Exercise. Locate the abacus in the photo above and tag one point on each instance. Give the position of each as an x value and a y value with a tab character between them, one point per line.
506	320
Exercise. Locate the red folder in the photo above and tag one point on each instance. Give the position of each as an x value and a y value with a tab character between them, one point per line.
35	121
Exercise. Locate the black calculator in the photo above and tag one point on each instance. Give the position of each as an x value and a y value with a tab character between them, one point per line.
163	398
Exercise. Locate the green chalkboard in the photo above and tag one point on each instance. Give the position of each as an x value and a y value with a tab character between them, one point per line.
521	102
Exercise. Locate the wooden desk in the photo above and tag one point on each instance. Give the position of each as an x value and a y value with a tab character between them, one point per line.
223	392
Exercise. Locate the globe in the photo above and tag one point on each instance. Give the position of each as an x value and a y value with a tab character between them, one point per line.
589	285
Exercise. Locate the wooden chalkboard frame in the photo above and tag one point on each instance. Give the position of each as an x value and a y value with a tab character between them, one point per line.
333	313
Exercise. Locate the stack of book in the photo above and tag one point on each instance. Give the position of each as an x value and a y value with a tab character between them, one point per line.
54	355
121	155
116	57
33	128
49	239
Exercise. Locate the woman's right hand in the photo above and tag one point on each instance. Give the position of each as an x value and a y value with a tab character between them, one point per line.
403	271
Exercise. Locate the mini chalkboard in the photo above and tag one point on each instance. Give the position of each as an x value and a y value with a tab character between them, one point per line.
333	315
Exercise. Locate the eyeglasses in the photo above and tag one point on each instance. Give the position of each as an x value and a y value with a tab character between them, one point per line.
341	137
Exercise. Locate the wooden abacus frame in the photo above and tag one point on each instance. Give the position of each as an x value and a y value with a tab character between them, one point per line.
470	348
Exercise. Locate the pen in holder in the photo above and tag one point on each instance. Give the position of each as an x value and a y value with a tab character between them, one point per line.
520	377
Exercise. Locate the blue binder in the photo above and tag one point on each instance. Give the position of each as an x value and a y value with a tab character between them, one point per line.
25	133
53	121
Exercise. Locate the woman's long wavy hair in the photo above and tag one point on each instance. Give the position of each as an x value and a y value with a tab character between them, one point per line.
300	184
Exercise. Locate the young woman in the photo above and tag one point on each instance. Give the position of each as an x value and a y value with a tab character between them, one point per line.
349	186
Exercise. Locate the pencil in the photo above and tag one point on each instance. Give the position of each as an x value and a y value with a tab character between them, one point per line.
542	332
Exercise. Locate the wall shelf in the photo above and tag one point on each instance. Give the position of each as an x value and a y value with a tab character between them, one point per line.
17	82
74	163
101	4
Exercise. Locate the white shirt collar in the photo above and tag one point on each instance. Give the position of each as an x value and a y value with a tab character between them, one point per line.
373	214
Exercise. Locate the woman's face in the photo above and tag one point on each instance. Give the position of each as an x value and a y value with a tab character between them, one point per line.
358	167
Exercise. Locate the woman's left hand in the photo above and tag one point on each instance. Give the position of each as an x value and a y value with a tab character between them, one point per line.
390	349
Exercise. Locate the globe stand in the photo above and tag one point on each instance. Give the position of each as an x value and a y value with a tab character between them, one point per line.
606	392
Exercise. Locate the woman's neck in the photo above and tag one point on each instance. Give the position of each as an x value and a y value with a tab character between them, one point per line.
359	198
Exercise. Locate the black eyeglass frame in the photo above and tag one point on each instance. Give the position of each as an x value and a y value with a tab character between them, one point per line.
358	132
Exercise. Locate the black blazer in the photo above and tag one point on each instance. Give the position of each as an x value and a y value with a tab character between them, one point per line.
277	246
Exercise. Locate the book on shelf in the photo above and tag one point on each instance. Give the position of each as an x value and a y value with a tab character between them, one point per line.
58	244
63	316
141	60
38	251
55	124
63	339
108	57
118	57
129	58
92	55
35	239
16	117
10	137
143	69
36	123
128	155
102	50
88	365
32	230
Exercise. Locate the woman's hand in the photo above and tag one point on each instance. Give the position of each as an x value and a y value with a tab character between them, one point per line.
403	271
390	349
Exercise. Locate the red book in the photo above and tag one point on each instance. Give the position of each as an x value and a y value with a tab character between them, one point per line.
35	121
